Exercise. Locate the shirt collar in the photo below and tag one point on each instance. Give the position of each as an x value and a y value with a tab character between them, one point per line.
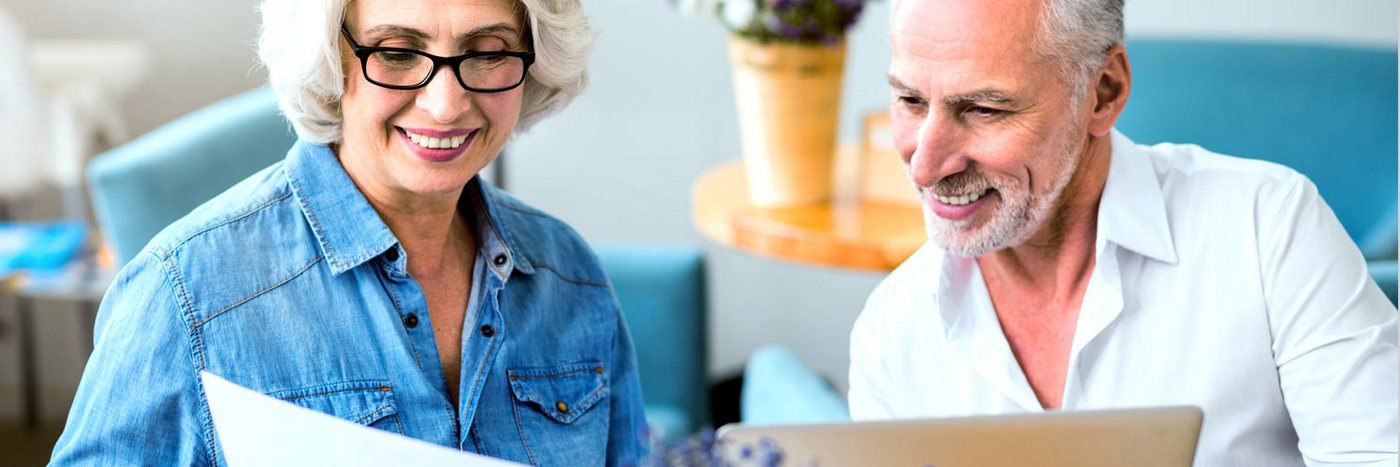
1132	211
349	231
1132	214
347	228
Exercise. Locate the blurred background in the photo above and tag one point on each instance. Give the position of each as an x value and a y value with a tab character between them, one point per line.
618	165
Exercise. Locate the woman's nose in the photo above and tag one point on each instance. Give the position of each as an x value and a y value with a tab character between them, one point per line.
443	97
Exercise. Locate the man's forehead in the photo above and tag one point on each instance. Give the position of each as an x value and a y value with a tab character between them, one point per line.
962	43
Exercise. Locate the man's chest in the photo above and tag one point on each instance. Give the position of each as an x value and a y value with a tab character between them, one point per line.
1039	331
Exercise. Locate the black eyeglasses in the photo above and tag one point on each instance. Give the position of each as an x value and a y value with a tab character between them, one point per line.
397	68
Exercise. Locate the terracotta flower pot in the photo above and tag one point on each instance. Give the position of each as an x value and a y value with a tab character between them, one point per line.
788	98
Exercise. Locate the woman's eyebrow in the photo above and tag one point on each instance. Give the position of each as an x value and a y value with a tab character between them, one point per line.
492	29
405	31
396	30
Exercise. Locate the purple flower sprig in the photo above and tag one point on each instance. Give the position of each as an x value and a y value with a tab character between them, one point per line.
803	21
704	449
791	21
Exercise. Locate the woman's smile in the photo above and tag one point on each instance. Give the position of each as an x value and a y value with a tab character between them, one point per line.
437	145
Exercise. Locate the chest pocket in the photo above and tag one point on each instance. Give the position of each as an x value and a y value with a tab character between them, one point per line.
562	413
368	403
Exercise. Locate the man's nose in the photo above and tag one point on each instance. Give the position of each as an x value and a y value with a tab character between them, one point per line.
939	152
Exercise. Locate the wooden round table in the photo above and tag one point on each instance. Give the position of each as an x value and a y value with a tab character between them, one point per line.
847	232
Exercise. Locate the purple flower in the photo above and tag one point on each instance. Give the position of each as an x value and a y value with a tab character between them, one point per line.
781	28
799	21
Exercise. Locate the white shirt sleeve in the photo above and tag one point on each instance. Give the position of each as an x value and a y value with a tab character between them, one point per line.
1334	333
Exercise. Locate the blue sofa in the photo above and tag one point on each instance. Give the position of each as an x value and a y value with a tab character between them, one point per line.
144	185
1327	111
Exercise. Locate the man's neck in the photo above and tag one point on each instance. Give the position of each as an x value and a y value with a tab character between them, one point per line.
1037	287
1055	263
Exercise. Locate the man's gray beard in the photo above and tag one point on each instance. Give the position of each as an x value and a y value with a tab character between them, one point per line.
1014	221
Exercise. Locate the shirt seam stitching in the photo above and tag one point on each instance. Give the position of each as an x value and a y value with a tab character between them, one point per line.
194	341
556	375
265	290
519	428
377	388
255	210
568	278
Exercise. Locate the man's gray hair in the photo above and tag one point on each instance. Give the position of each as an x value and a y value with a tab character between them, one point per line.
300	46
1076	34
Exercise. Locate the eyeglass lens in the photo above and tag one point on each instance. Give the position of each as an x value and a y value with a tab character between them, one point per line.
487	72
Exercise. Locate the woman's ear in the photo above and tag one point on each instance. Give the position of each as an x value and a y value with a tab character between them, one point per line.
1110	92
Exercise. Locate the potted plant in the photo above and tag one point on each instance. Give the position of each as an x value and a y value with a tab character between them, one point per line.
787	59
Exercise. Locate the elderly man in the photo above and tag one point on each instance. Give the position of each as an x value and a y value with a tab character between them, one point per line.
1072	269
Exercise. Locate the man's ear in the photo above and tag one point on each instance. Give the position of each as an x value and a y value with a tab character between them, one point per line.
1110	92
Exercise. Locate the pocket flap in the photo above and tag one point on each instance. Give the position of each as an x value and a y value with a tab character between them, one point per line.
362	402
563	393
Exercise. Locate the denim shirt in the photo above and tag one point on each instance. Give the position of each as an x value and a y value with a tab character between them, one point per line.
289	283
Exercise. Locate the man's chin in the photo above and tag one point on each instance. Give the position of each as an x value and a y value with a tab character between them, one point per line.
961	243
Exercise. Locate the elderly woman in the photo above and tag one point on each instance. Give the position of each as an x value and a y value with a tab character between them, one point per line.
371	274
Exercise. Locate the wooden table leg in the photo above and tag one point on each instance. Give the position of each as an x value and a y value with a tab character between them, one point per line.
29	388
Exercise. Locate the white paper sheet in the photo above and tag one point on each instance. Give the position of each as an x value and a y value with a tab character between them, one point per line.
256	430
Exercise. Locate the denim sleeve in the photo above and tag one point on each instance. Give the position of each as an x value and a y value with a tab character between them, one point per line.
138	403
625	430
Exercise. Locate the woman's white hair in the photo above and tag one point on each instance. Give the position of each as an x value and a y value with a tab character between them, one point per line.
300	46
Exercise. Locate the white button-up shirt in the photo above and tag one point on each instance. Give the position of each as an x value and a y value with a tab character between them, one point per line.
1223	283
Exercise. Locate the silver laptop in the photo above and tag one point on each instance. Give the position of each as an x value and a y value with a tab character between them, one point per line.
1150	437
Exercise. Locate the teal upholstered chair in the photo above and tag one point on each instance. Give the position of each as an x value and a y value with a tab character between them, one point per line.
1328	112
144	185
140	187
662	292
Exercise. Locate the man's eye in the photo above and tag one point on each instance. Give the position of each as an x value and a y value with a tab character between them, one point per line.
984	112
910	101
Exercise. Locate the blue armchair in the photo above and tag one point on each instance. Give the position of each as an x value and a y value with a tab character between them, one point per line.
1328	112
144	185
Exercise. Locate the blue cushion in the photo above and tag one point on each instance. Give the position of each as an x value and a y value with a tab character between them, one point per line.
1327	111
668	422
780	389
662	293
140	187
1387	275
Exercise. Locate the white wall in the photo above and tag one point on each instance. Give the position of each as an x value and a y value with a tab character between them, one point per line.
201	50
618	165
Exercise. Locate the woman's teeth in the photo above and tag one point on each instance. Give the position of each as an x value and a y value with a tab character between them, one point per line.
452	142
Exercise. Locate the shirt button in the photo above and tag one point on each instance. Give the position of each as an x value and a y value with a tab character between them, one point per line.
500	260
411	321
561	406
392	255
487	330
